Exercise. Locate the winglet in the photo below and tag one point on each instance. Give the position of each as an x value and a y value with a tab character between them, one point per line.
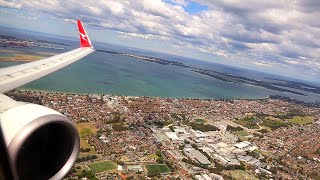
84	38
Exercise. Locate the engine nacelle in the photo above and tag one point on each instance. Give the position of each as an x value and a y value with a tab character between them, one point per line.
41	142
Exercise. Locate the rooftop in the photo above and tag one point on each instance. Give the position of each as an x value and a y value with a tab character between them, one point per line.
172	135
242	144
198	155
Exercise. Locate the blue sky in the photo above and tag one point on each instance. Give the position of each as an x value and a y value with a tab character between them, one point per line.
275	36
190	7
194	7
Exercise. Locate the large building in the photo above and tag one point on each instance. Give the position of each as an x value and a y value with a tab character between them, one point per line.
197	155
172	136
135	168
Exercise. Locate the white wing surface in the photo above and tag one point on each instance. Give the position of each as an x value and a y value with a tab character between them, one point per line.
15	76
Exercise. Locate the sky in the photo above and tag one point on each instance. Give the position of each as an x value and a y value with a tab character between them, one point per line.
274	36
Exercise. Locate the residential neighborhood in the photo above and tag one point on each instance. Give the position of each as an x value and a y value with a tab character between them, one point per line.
126	137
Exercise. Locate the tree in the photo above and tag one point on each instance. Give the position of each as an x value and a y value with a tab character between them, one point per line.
195	146
87	174
232	128
159	154
119	127
203	127
90	175
160	124
160	159
263	131
120	163
73	170
82	174
170	165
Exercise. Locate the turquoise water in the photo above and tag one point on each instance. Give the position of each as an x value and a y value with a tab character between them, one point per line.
114	74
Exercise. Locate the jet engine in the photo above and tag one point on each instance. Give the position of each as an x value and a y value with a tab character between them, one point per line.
41	142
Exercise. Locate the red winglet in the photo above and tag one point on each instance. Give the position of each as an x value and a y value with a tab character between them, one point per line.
84	38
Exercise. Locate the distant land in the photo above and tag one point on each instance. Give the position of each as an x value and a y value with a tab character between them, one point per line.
21	56
17	42
13	55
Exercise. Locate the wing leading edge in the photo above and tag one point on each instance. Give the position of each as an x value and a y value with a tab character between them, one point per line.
16	76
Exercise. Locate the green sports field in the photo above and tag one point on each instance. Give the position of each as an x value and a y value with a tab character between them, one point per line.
200	120
301	120
240	175
242	133
157	168
86	129
102	166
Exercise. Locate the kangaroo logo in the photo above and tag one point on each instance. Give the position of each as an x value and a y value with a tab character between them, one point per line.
83	36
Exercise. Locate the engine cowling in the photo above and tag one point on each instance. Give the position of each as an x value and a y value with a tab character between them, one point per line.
41	142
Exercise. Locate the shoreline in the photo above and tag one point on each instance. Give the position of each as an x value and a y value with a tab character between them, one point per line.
123	95
270	97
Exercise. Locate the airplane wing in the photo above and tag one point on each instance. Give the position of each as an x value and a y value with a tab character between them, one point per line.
41	143
16	76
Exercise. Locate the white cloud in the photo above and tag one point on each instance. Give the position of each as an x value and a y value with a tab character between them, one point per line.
261	64
73	21
115	7
292	62
135	35
10	4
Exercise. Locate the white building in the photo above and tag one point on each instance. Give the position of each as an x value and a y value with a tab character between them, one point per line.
242	145
172	135
135	168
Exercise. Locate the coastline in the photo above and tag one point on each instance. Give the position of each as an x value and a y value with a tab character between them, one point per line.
270	97
123	95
